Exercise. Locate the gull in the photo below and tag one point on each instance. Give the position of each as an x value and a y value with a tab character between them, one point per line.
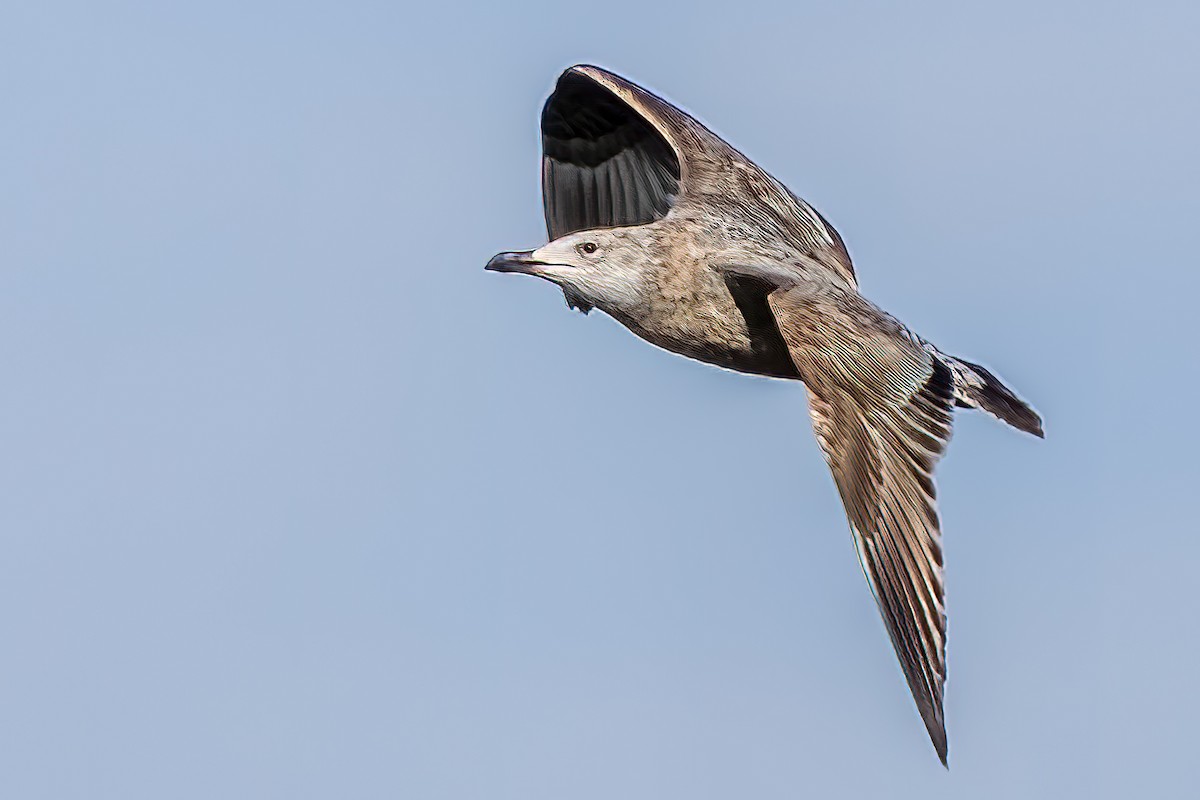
664	226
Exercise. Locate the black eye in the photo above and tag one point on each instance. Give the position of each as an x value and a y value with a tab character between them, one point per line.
588	247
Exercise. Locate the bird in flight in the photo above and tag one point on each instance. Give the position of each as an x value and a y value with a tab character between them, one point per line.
658	222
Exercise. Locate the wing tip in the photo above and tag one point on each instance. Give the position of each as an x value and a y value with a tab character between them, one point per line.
931	708
942	748
934	717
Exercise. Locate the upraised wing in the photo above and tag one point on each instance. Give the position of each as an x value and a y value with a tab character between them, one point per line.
614	154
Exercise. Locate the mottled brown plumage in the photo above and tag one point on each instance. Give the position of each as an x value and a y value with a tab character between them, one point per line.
658	222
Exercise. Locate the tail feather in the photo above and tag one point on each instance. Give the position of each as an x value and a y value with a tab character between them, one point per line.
975	387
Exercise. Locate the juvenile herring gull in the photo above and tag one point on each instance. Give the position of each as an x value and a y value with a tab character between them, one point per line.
656	221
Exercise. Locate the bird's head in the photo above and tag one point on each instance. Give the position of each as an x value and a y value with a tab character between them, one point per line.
606	268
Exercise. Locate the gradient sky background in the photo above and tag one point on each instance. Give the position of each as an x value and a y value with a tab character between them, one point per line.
300	502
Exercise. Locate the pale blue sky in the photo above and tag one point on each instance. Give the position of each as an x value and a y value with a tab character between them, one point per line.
299	502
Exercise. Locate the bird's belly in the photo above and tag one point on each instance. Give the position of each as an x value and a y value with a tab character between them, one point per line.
720	340
748	360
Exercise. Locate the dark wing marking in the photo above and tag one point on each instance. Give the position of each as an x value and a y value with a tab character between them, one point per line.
881	410
749	293
604	164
